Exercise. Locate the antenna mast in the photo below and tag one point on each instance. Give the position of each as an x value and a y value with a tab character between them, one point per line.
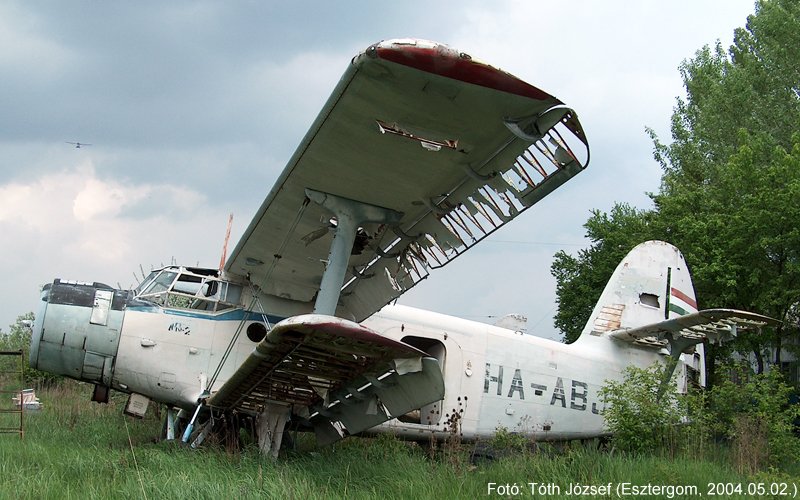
225	244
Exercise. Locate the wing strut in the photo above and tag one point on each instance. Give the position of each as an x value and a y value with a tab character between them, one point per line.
350	214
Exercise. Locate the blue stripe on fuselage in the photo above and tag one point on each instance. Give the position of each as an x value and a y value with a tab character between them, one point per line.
232	315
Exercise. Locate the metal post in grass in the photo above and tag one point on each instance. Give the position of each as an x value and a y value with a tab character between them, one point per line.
12	385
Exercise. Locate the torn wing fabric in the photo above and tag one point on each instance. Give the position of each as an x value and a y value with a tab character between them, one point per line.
684	331
337	374
457	148
407	365
384	398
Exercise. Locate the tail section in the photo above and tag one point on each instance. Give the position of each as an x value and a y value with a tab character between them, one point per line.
650	285
649	303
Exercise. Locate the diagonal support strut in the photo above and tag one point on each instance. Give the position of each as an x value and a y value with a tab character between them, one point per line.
350	214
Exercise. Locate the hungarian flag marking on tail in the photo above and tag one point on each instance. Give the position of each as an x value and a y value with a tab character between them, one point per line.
680	303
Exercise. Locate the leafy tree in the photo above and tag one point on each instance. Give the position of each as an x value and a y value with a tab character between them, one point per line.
750	411
580	280
731	177
754	414
19	338
730	184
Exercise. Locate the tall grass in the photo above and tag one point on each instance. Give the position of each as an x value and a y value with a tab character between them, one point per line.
77	449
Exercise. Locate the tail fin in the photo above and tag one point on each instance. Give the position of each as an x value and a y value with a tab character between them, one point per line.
650	285
649	302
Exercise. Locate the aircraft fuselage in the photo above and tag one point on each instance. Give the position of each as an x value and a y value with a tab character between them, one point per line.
499	378
167	346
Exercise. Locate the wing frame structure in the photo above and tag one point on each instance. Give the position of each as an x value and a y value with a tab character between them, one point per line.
451	147
340	376
419	153
682	332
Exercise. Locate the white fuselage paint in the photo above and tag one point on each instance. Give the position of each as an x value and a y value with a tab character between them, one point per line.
498	378
494	377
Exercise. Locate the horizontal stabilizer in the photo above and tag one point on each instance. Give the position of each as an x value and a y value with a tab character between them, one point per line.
691	329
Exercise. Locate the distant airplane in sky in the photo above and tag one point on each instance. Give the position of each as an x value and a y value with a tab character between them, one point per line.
78	144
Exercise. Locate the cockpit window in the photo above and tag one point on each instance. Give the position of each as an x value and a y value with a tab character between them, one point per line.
188	284
234	294
145	282
160	284
188	290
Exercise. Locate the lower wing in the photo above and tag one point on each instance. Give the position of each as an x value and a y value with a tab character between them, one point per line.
341	377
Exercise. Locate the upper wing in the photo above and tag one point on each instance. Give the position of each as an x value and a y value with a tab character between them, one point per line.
456	146
685	331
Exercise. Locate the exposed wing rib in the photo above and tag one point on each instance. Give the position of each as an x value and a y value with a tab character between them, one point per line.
691	329
348	377
455	146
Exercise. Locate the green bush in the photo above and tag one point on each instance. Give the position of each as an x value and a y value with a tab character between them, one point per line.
642	413
753	413
505	440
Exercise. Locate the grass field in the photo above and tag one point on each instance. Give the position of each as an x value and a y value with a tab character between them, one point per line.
77	449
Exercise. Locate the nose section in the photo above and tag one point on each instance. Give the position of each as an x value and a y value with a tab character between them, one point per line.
77	330
36	336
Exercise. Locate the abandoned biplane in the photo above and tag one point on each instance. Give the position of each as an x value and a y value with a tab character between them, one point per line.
420	153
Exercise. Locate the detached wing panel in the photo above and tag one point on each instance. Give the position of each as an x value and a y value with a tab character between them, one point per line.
458	147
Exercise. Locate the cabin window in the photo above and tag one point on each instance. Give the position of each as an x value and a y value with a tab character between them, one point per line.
233	294
146	282
155	290
161	283
228	295
188	284
185	292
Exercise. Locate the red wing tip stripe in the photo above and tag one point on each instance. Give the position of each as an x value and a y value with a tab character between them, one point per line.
677	293
444	61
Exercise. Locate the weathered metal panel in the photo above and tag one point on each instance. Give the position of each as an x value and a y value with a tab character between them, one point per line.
93	365
77	332
101	307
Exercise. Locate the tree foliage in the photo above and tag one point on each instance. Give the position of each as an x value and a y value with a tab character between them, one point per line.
19	336
581	279
730	183
19	339
752	412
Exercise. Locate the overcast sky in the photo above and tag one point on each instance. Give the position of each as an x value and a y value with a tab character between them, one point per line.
193	109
